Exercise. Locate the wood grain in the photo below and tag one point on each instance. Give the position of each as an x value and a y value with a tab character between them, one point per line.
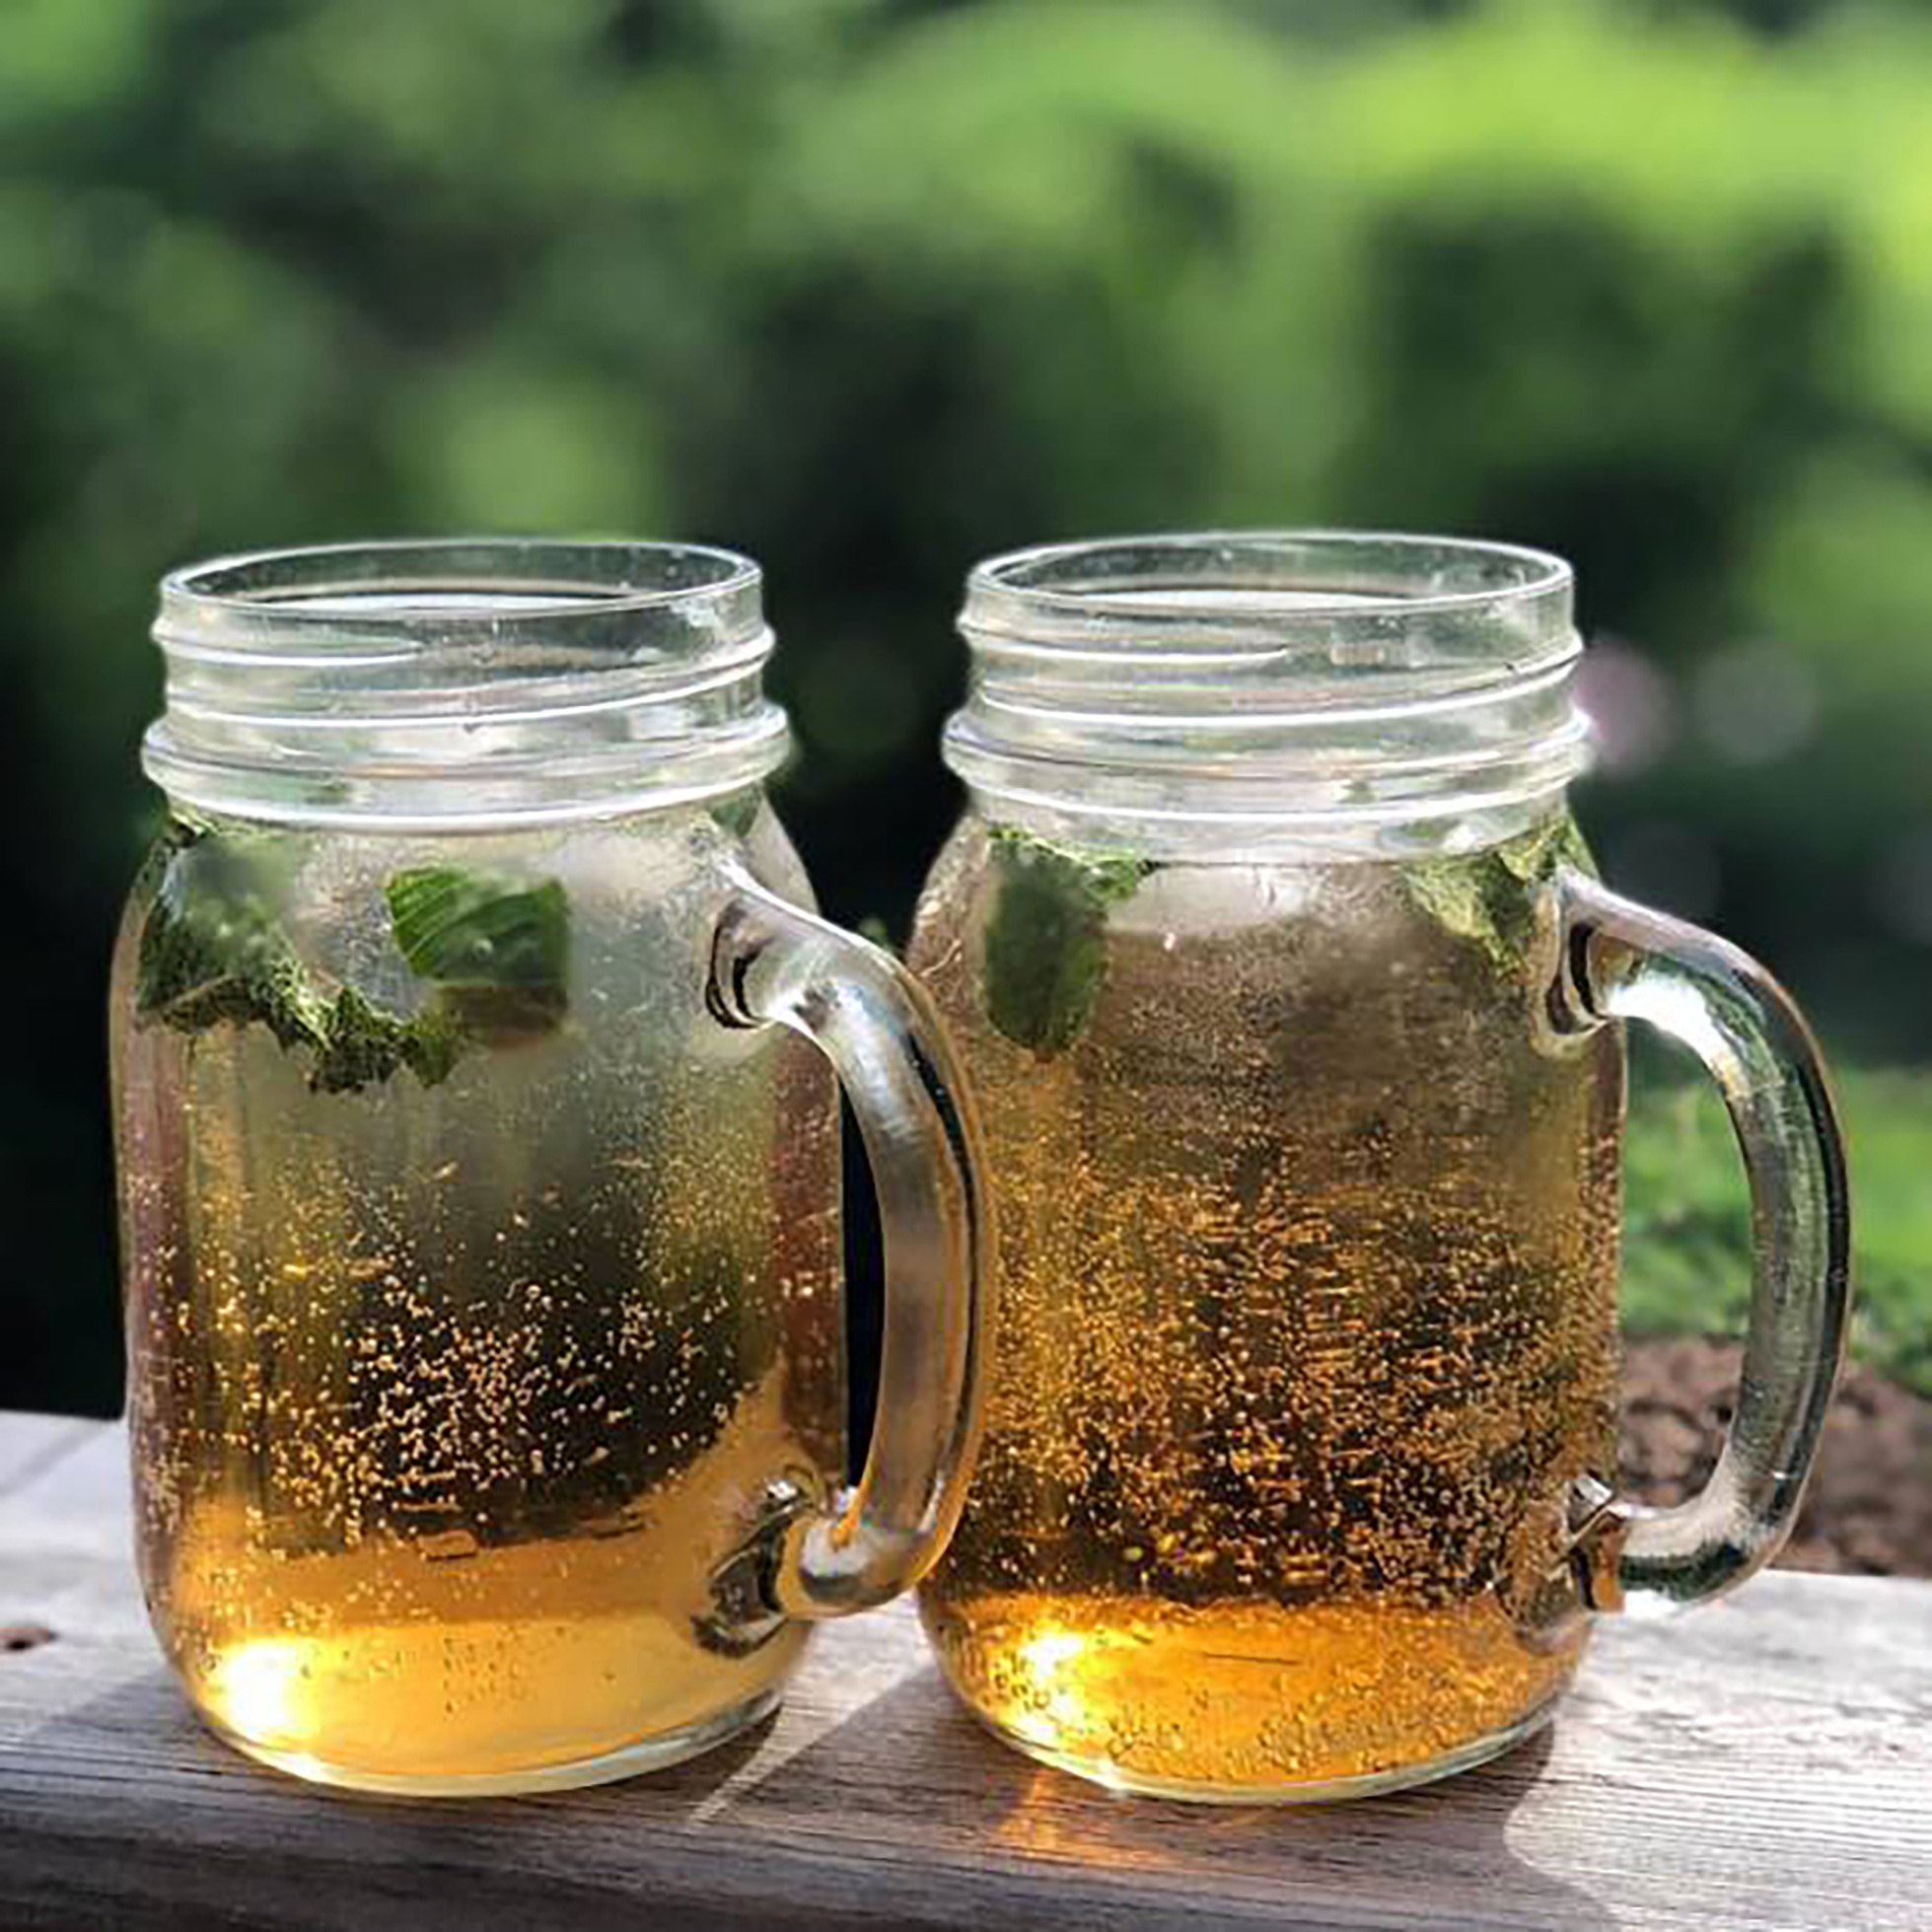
1766	1762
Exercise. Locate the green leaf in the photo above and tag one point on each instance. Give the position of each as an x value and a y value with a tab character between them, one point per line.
360	1045
212	953
496	948
1046	948
1489	898
463	928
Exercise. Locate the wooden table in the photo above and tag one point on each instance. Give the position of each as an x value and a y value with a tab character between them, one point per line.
1765	1763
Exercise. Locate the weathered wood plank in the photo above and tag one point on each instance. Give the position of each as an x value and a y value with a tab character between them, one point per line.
29	1444
1768	1763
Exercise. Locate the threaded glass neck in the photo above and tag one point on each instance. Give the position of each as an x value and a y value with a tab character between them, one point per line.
1253	692
462	684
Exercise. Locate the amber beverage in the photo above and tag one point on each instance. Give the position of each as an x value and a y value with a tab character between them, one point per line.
1292	1388
437	1390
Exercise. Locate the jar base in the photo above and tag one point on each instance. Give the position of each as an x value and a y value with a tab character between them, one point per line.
654	1753
1320	1791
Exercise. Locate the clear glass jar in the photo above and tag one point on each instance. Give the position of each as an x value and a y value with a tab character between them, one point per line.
1293	1008
479	1178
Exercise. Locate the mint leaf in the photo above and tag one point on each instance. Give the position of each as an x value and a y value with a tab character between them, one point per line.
479	928
1045	947
1480	897
212	953
362	1045
1543	850
496	948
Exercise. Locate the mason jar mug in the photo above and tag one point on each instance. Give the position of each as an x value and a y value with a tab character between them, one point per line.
1293	1009
479	1177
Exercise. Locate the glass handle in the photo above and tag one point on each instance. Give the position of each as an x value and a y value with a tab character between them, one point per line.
773	964
1621	960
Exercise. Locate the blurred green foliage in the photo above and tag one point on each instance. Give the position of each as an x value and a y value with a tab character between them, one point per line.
870	287
1687	1228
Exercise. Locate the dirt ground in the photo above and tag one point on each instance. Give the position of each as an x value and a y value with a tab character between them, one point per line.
1869	1509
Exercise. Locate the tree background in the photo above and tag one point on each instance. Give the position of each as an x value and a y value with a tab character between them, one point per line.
872	287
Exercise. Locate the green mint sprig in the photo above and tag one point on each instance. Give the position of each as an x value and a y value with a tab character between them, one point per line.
1045	945
496	948
1481	897
212	953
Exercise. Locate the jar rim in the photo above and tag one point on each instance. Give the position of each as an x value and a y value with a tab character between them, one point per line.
315	585
1283	586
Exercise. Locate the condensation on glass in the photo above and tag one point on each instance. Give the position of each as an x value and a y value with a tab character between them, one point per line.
1293	1009
474	1048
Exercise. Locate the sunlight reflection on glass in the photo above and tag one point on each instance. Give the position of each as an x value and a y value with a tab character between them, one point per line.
263	1691
1050	1661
